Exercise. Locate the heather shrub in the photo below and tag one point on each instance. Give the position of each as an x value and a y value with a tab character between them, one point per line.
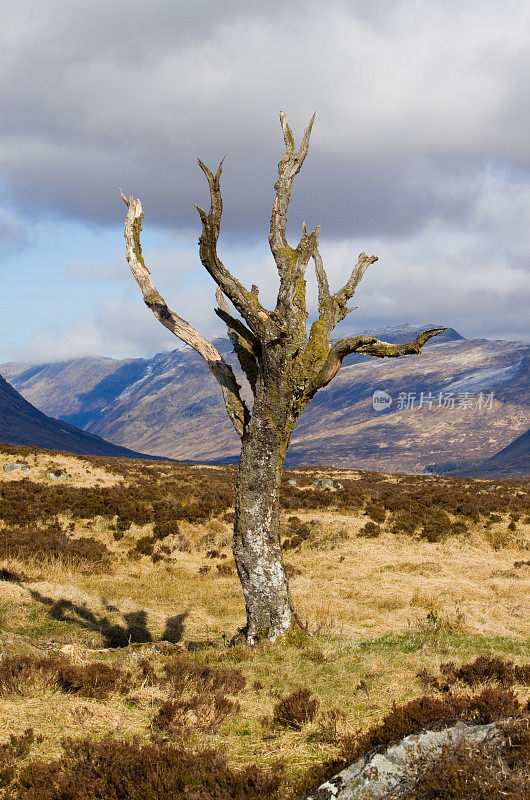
370	530
291	570
17	671
491	705
299	532
483	670
497	768
12	752
52	541
295	709
111	769
145	545
164	494
148	673
180	674
205	711
94	680
375	511
163	528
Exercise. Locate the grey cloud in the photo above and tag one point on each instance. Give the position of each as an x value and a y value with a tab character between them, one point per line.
97	96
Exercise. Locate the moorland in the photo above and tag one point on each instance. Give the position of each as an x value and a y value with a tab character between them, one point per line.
119	600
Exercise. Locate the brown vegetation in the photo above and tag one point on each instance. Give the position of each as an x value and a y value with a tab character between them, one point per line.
52	541
95	679
115	770
495	769
382	610
295	709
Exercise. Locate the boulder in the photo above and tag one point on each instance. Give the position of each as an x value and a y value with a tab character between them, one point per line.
16	465
382	775
324	483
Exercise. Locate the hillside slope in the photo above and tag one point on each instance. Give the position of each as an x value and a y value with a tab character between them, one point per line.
22	424
170	405
512	462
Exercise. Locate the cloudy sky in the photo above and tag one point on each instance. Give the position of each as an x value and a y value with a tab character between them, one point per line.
420	154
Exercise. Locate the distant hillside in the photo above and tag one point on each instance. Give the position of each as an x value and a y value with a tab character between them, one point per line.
170	405
22	424
512	462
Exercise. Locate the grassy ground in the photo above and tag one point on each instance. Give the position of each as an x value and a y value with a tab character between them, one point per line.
378	609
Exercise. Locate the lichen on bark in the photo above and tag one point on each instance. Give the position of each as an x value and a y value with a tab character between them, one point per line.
284	365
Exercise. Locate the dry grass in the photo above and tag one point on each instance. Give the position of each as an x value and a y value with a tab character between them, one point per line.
77	471
380	610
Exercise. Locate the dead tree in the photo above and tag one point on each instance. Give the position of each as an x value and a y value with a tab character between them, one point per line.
285	367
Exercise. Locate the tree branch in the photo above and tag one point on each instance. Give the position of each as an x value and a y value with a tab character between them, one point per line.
291	262
245	344
346	293
370	346
244	301
235	405
333	308
288	166
324	295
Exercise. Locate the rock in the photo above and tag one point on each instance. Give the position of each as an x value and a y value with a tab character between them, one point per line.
14	465
324	483
292	482
381	775
53	477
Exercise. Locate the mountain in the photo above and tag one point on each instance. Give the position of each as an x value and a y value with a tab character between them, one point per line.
22	424
405	333
476	395
512	462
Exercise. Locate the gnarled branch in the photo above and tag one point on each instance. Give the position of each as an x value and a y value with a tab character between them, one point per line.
288	166
333	308
346	293
235	405
370	346
324	295
245	344
244	301
291	262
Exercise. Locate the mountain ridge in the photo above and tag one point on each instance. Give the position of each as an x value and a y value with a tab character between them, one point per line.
170	405
24	425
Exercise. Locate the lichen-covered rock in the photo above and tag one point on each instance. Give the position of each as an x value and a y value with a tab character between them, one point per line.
16	465
388	774
324	483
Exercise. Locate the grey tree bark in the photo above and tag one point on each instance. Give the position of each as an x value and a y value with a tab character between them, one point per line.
285	367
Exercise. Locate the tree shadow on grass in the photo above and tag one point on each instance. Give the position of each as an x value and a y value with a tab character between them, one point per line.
133	629
174	629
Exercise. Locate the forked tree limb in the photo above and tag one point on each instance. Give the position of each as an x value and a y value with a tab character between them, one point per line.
288	166
290	262
346	293
370	346
235	405
247	303
333	308
245	344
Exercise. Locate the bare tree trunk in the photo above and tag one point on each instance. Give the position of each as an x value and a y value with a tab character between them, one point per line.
257	544
284	367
